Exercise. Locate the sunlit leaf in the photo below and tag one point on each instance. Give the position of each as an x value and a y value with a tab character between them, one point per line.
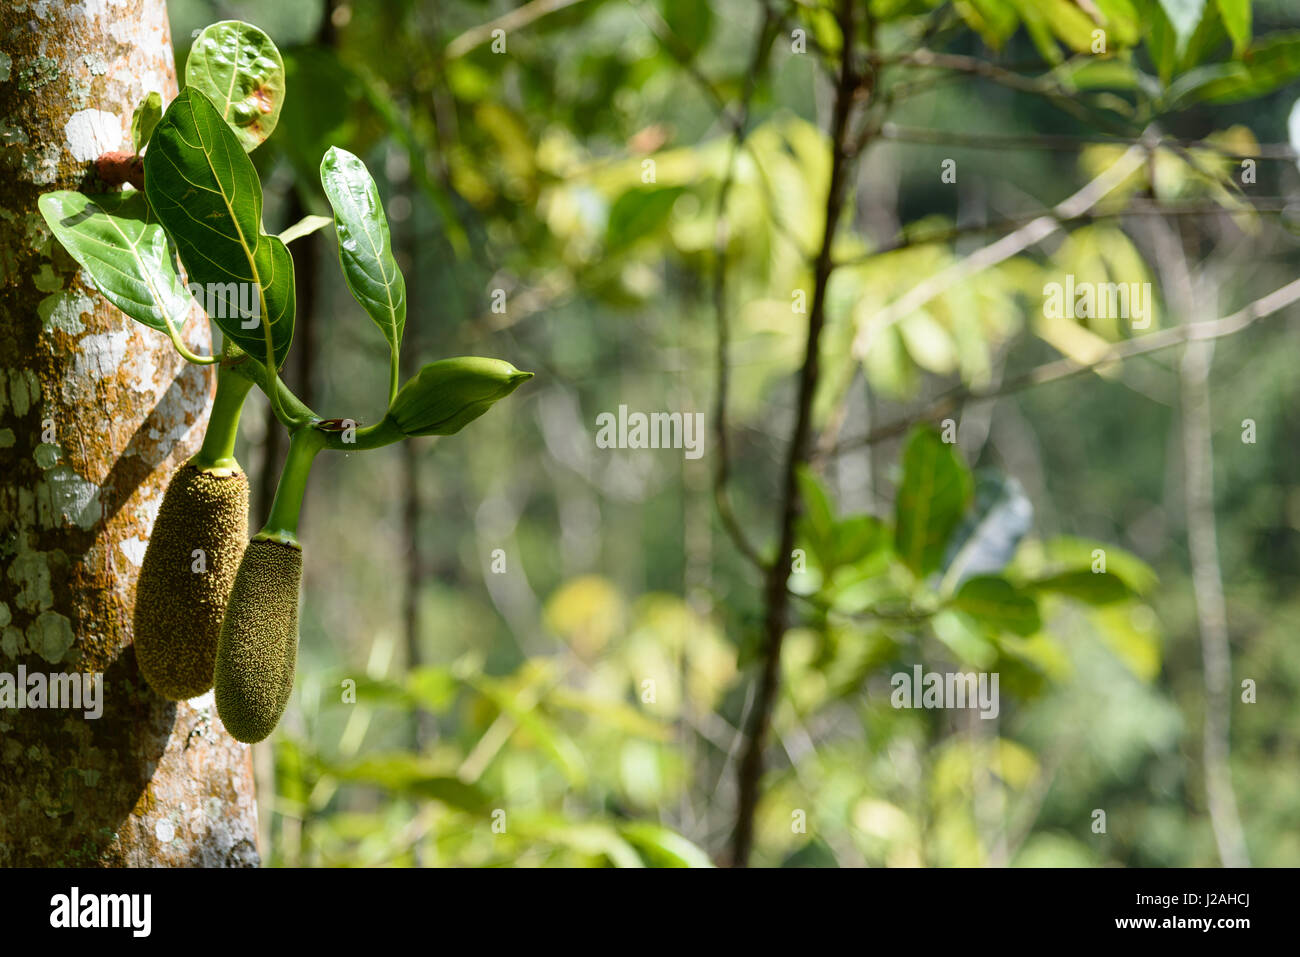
1237	18
117	239
662	847
203	188
1184	16
933	497
365	247
144	119
239	69
304	227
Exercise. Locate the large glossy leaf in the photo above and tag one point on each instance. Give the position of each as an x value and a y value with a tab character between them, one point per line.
203	188
931	501
365	247
118	241
445	396
239	69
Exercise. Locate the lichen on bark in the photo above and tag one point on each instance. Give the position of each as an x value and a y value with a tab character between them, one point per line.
96	413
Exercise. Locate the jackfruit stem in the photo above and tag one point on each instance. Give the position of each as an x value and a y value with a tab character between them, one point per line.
218	451
282	524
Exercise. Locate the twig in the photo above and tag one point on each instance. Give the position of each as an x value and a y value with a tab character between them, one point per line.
514	20
722	473
1203	553
1069	143
1003	249
1137	207
777	597
1065	368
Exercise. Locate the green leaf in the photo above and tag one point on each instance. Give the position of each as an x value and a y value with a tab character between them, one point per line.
813	854
365	247
558	746
1093	588
304	227
239	69
116	239
1264	67
998	603
662	847
855	538
1236	16
204	189
994	20
933	497
1122	23
817	504
144	119
964	636
1076	554
445	396
637	214
1184	16
690	20
1070	24
1161	41
411	776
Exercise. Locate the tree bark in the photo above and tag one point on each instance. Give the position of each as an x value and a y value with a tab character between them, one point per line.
96	413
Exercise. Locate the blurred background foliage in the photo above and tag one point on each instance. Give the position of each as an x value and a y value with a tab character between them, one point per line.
519	649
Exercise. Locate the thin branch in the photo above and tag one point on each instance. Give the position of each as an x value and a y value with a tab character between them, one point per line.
973	66
1006	247
749	774
1138	207
762	48
514	20
1069	143
1203	551
1066	368
685	58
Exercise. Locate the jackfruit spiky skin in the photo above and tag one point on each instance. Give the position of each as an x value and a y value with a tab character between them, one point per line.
258	650
178	610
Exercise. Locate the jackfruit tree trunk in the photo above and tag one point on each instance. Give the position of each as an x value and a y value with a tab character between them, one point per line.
96	413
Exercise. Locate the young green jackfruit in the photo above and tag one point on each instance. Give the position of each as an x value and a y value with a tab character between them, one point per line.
185	579
258	649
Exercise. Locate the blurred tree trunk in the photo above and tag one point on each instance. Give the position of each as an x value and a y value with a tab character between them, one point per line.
96	412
